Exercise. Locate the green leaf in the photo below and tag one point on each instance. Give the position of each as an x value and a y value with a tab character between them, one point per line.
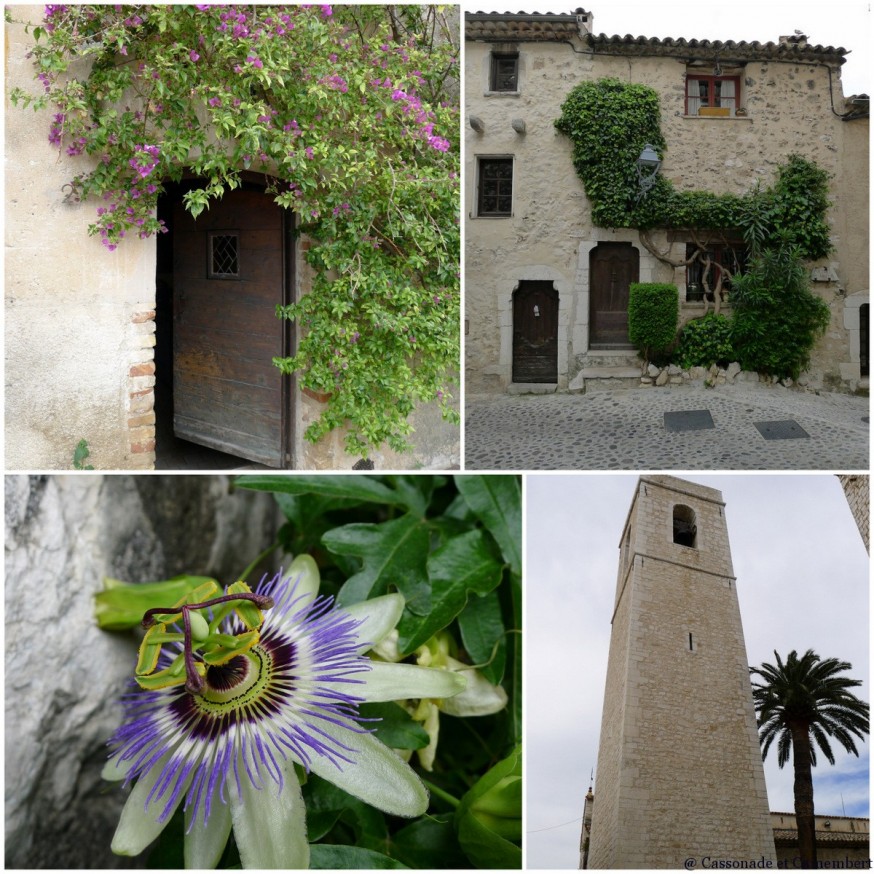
393	554
464	564
415	491
482	629
491	808
80	453
360	488
341	858
430	843
396	728
497	503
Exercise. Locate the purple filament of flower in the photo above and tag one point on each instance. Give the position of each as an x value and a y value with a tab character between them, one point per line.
287	707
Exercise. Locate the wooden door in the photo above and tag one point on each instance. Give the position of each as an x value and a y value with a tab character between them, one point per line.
612	269
228	276
535	332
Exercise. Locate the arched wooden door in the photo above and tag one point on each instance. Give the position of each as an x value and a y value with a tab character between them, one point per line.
535	332
230	269
612	269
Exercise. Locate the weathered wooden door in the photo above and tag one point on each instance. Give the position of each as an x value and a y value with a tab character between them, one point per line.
228	276
612	269
535	332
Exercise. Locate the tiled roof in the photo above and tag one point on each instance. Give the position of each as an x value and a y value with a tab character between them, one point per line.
549	26
789	836
728	50
542	27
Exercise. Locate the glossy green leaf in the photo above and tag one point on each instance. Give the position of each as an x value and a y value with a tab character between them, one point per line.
358	488
342	858
495	800
393	553
465	564
430	843
482	633
497	503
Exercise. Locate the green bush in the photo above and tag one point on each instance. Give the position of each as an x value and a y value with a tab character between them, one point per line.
705	341
653	308
777	318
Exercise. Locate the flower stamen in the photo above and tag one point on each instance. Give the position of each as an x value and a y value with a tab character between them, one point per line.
203	644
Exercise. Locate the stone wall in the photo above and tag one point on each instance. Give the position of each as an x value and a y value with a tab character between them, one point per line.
550	232
681	775
64	676
856	489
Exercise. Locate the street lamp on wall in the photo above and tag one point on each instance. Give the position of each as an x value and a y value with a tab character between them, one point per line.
647	169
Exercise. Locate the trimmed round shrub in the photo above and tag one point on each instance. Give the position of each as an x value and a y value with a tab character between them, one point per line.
653	309
706	341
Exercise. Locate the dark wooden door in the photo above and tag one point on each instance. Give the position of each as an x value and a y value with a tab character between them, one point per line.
228	277
535	332
612	269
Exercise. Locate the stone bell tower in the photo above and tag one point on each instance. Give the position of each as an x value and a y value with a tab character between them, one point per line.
679	767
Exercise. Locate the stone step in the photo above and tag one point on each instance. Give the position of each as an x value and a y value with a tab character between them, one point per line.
532	388
605	378
610	358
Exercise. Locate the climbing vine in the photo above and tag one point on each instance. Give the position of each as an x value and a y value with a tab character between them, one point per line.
609	122
778	317
351	115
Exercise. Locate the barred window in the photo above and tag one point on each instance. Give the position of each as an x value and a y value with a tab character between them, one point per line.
223	255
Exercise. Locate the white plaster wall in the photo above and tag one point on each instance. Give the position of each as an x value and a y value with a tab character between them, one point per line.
79	323
70	341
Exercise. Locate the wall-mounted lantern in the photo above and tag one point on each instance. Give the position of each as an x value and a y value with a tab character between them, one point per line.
647	169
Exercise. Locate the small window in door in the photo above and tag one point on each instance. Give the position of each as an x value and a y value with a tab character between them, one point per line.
223	255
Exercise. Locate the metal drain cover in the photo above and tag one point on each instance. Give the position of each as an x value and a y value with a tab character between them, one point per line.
787	429
688	420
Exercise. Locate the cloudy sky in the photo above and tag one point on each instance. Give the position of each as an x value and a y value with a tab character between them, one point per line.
802	582
846	23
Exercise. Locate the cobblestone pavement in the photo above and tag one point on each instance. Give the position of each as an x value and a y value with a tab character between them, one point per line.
625	430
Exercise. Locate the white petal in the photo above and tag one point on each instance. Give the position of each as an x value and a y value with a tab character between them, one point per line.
387	682
269	824
379	777
204	844
114	770
305	570
138	825
480	698
379	615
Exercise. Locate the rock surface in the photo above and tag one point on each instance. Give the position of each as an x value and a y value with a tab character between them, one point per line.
63	675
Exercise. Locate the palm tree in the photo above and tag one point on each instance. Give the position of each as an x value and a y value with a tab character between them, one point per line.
800	702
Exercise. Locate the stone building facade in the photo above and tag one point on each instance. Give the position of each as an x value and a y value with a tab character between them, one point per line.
679	770
841	841
89	332
856	489
539	244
